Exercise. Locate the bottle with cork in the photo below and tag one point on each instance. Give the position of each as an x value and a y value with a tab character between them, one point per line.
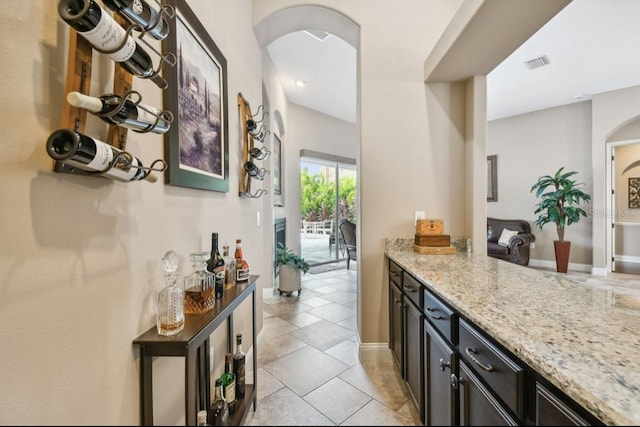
242	267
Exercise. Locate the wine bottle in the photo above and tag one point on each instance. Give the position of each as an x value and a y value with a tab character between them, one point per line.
103	32
139	117
215	265
139	12
219	410
239	359
228	380
92	155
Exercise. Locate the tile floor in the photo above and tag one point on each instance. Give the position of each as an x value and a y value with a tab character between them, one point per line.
308	369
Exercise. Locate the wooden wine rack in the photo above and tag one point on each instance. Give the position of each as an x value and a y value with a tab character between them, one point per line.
79	67
248	144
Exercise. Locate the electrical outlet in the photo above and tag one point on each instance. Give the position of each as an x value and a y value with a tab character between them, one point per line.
532	245
258	219
418	215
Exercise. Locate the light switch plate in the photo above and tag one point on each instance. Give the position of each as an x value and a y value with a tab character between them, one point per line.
418	215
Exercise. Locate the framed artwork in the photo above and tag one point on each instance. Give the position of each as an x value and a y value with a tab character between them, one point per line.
197	143
492	178
634	193
277	165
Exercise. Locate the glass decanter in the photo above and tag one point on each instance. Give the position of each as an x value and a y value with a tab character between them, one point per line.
170	299
199	286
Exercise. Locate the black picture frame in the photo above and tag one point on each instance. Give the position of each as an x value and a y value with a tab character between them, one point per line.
197	143
492	178
277	165
634	193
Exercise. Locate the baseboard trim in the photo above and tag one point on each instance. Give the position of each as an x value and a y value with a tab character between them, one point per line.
552	264
374	351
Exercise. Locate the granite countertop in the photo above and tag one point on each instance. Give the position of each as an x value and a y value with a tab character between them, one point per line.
582	338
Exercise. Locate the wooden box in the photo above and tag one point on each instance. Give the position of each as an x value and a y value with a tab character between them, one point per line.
434	250
432	240
429	226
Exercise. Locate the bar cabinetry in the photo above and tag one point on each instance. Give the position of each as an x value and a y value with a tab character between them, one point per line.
192	343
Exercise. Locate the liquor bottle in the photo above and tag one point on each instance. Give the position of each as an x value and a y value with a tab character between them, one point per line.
228	380
201	418
89	154
215	265
219	409
104	33
170	299
114	110
199	286
139	12
238	367
229	268
242	267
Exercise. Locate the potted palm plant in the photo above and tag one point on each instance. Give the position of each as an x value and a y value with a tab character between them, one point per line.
559	199
291	267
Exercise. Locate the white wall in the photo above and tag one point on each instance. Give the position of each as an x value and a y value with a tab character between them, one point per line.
80	256
536	144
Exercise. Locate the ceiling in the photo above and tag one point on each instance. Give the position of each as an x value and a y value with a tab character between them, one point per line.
593	46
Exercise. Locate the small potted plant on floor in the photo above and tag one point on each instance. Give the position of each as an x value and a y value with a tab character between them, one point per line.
559	199
291	267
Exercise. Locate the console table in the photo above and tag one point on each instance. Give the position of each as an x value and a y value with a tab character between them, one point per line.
192	343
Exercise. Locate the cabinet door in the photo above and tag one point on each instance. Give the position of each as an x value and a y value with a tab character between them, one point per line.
477	406
413	354
552	411
440	394
396	329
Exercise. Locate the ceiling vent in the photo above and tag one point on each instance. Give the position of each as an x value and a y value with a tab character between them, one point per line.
318	34
537	62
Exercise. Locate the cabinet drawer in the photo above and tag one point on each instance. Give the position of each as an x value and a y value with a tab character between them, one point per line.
503	375
395	273
441	317
411	288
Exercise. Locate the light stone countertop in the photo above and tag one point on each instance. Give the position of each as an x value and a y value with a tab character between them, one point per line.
583	339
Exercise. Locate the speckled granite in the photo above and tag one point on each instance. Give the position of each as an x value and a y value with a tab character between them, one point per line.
583	339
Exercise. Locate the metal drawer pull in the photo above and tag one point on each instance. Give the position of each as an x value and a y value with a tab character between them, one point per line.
394	273
409	288
444	364
434	316
470	352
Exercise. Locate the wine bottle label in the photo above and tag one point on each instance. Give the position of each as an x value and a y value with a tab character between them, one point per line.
108	35
148	114
102	160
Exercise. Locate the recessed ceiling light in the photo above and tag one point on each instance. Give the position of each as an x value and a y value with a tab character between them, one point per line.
300	83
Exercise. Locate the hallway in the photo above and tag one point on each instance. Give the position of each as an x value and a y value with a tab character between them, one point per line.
308	369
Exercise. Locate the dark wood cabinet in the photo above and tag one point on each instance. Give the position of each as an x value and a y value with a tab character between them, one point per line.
413	354
440	379
396	328
478	406
551	410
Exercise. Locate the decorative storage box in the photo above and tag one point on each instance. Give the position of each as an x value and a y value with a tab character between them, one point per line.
433	240
429	226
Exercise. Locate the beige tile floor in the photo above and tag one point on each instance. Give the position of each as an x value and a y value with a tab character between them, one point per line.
308	368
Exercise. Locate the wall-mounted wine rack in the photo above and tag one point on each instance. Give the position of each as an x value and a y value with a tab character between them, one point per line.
78	79
252	131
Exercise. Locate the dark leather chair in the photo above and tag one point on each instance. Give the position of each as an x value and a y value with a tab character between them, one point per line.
517	251
348	232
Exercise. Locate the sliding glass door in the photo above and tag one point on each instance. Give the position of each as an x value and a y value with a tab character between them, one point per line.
328	195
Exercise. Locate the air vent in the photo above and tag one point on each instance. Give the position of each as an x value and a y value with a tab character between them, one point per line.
318	34
537	62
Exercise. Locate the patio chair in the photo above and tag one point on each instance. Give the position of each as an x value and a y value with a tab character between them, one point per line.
348	232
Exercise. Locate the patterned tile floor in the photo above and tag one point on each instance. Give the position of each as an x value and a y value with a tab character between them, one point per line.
308	370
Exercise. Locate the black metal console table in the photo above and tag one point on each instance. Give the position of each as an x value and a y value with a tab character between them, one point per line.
192	343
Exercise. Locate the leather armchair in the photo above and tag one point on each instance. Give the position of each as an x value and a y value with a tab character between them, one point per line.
517	251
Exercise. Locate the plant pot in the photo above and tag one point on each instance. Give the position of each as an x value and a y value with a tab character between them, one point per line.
289	280
562	249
